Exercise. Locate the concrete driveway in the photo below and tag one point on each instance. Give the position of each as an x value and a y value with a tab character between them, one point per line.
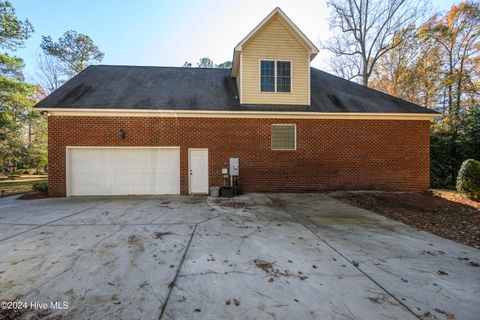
258	256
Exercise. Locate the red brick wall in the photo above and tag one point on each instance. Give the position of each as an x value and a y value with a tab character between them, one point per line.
331	154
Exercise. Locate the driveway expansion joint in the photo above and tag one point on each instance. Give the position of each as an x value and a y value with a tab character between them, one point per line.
177	274
172	284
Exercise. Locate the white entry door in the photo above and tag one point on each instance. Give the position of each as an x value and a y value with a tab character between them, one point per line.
198	166
123	171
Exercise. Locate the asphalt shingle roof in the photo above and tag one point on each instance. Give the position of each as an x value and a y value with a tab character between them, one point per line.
172	88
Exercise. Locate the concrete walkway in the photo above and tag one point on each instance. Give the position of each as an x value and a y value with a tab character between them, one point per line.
258	256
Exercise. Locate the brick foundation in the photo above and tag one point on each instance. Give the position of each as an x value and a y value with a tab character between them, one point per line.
331	154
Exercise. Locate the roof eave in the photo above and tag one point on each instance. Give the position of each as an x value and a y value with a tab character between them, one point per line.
236	114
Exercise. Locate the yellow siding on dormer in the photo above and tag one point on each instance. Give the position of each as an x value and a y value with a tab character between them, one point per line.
275	41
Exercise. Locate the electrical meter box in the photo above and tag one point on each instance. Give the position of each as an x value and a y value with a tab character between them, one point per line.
234	167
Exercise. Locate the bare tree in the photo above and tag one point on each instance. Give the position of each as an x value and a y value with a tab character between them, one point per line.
344	66
49	72
364	29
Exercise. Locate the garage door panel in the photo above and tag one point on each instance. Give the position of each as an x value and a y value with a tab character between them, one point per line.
165	181
124	171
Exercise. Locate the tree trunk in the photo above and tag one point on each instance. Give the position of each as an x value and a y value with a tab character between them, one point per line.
450	86
365	70
29	131
459	88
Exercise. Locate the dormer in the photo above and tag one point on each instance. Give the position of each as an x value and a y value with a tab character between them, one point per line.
271	64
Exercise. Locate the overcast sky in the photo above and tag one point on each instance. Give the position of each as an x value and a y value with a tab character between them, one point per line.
167	33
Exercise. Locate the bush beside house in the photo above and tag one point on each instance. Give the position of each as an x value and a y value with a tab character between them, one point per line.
40	186
468	180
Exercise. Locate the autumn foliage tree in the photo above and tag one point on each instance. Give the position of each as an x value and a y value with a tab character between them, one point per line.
410	70
437	66
434	63
456	35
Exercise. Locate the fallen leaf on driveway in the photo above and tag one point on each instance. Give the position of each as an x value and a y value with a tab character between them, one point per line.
262	264
450	316
429	315
211	258
442	273
440	311
160	235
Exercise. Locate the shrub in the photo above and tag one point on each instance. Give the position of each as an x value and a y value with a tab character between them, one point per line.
19	172
468	179
40	186
30	171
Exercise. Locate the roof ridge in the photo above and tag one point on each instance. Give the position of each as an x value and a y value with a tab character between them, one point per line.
163	67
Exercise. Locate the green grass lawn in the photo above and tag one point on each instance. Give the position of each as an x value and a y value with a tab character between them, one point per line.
20	185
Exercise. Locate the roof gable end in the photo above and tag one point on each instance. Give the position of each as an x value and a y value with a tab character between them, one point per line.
276	13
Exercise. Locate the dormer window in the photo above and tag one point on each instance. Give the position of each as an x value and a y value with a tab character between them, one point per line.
267	75
275	76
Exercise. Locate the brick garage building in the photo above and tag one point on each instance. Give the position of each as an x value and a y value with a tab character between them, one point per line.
153	130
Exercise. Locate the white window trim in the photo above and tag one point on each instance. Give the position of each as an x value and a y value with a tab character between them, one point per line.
295	135
275	76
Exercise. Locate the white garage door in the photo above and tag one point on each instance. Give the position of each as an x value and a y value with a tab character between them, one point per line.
123	171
